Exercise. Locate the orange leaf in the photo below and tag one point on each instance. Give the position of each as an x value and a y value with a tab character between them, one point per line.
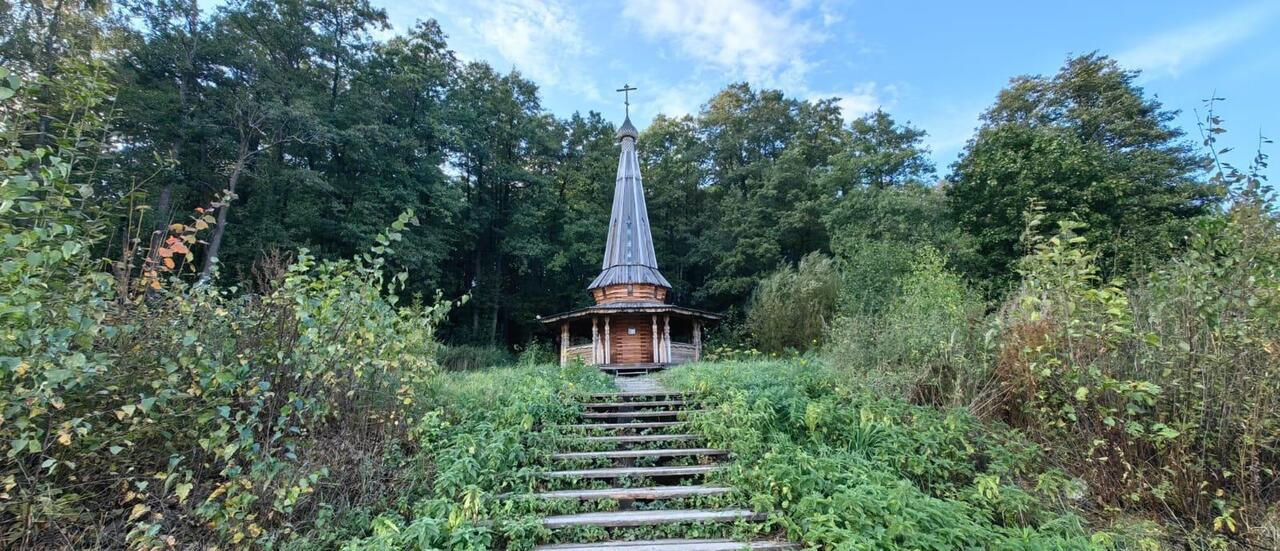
168	263
180	248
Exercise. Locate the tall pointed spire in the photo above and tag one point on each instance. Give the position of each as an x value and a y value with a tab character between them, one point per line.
628	251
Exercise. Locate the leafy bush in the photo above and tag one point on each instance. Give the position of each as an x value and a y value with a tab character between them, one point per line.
465	357
1158	394
918	345
160	413
1162	396
791	308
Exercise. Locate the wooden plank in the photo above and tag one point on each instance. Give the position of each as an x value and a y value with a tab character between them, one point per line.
637	438
634	454
642	394
627	371
623	472
637	414
652	492
652	404
670	545
649	518
629	293
623	426
630	342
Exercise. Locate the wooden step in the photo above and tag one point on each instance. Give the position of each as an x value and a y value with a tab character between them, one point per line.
636	454
636	438
631	426
623	472
632	368
669	545
630	396
653	492
636	414
637	404
649	518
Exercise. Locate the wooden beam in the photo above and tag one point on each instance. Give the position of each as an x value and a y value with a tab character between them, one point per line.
595	342
607	341
666	338
697	340
652	492
564	343
624	472
647	518
656	356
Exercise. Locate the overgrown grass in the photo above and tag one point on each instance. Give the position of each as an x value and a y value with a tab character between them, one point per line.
465	357
1159	393
840	468
477	442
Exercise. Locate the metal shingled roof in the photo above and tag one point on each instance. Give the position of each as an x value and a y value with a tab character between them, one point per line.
628	249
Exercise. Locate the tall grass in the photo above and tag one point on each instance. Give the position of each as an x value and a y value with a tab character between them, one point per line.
791	309
466	357
1158	393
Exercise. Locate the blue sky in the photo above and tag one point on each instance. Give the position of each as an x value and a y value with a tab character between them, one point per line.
935	64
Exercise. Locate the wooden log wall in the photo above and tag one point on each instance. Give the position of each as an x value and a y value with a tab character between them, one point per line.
626	293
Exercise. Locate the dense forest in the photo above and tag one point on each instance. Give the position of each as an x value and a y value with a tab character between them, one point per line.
308	132
241	242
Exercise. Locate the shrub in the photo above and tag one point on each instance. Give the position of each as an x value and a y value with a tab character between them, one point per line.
1162	396
465	357
148	412
920	345
792	307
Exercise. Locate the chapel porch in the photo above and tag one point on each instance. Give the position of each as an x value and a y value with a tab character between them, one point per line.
631	339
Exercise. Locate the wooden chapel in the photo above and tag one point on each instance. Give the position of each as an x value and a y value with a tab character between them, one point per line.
631	324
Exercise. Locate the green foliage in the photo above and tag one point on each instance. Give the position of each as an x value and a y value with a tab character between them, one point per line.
876	236
1133	387
468	357
791	308
882	154
182	413
1086	144
917	346
837	467
475	445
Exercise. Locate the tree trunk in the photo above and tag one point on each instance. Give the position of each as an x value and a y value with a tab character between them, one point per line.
497	298
215	240
163	218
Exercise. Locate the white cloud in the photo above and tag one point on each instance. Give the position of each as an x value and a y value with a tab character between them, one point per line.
861	99
538	37
1170	53
759	43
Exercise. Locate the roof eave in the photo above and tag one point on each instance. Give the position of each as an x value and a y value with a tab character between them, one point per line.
655	308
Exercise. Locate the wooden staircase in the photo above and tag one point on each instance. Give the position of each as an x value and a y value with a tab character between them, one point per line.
632	370
633	449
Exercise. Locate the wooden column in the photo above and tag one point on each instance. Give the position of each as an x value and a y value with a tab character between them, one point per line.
608	357
657	355
564	343
595	342
666	338
697	340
